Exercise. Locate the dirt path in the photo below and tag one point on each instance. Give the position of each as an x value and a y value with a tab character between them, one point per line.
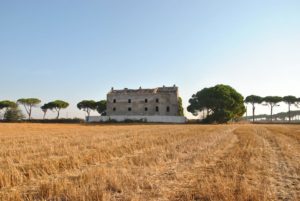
252	163
283	175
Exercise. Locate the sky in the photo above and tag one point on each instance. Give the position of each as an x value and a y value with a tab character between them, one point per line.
75	50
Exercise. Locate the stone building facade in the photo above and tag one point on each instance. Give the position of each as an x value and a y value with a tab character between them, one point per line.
161	101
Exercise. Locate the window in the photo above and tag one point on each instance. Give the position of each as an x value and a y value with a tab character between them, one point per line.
157	100
146	109
129	109
129	100
168	109
157	109
114	109
114	101
146	100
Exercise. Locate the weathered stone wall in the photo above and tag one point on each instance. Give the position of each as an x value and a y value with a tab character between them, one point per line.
143	102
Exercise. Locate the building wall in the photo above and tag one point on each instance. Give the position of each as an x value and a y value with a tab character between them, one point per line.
167	98
149	119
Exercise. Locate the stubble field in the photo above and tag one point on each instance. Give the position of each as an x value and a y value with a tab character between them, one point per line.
149	162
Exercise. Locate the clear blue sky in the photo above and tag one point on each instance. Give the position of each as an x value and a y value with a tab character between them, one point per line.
74	50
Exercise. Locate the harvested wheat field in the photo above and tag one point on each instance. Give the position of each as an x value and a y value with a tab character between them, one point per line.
149	162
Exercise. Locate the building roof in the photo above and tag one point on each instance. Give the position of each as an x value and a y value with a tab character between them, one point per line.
162	89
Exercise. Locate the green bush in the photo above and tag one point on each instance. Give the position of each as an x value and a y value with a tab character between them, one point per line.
13	114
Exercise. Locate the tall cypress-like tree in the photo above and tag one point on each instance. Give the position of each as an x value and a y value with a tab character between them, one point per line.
180	107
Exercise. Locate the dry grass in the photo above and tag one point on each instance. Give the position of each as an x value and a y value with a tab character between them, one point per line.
149	162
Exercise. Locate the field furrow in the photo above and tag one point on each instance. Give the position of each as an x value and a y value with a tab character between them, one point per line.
284	159
149	162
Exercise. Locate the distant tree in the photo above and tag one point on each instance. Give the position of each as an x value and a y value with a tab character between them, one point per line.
13	114
6	104
180	108
253	99
87	106
290	100
101	107
28	104
45	109
272	101
222	102
57	106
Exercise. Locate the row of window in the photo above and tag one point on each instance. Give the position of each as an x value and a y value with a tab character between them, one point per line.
146	109
146	100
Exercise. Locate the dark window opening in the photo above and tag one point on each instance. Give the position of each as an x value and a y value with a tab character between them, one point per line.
168	109
129	100
114	109
157	100
114	101
146	109
129	109
146	100
157	109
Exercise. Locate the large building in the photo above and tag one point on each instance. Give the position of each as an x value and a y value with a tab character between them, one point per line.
161	101
159	104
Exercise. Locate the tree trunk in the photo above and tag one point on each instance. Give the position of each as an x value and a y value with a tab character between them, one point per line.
29	115
44	115
88	115
27	111
253	113
57	114
290	113
271	113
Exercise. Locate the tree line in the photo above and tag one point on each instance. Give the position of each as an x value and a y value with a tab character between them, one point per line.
222	103
12	111
219	104
282	116
272	102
